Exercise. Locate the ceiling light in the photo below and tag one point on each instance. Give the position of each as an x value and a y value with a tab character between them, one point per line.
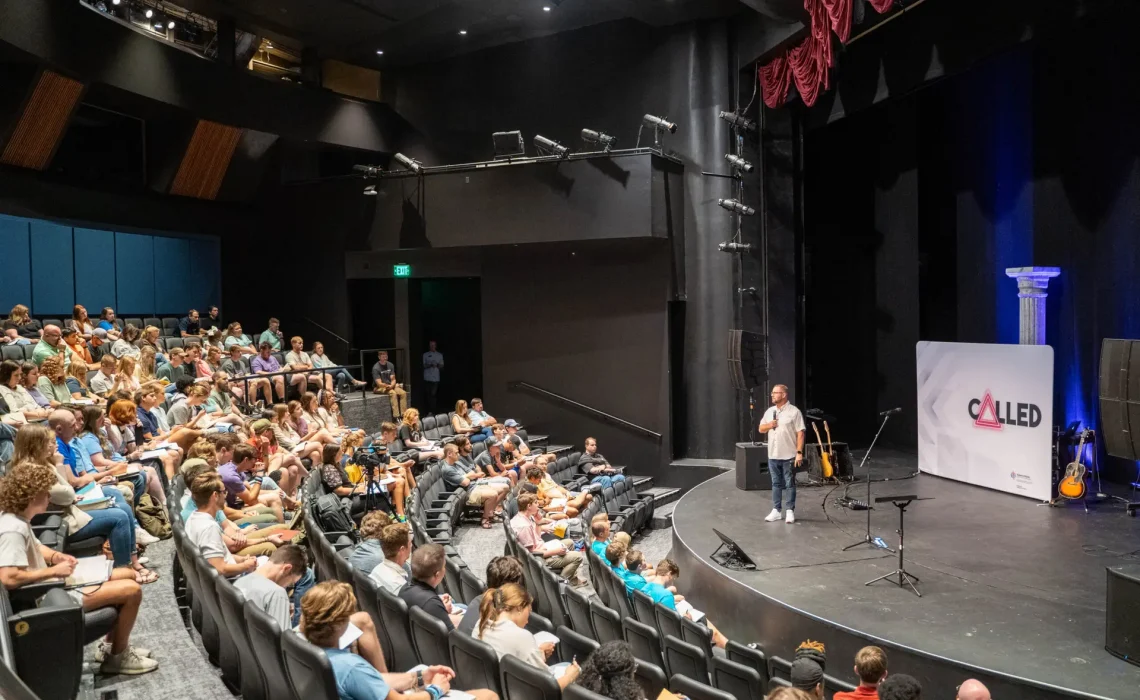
409	163
462	32
149	14
116	2
550	147
379	52
546	8
170	24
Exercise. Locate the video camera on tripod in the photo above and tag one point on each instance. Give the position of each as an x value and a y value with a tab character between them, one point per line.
369	459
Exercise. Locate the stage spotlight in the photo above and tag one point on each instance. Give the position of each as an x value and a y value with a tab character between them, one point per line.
598	138
731	247
733	205
379	52
462	32
549	147
659	123
738	121
546	8
149	14
738	163
508	144
368	170
370	191
409	163
170	24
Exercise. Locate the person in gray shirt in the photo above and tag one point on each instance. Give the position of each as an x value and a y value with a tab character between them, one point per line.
266	586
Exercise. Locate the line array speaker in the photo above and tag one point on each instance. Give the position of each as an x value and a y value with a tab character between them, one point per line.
747	361
1119	393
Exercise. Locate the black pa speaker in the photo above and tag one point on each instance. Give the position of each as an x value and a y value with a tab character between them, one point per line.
747	359
1119	393
1122	613
752	467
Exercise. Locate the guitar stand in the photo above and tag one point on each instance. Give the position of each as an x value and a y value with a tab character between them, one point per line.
905	578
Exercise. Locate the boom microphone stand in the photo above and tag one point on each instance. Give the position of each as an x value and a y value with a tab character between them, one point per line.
867	539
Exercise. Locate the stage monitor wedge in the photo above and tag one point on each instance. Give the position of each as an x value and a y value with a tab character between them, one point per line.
1119	394
747	359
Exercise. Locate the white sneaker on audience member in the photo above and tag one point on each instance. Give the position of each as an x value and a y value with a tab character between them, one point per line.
129	663
104	650
773	516
791	517
144	537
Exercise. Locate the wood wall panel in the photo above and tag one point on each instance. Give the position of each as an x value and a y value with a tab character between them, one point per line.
43	122
206	159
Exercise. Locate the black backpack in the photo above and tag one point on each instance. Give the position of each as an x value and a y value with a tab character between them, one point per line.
333	515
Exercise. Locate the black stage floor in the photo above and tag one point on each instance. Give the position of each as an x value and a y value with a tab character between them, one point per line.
1007	585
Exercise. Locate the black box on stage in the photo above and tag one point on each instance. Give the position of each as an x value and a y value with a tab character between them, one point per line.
752	467
1122	613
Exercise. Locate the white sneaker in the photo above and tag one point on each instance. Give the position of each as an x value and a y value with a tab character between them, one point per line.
773	516
791	517
144	537
104	650
129	663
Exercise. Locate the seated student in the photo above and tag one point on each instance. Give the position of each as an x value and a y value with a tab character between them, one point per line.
479	417
77	384
234	337
148	430
384	382
322	420
595	466
104	379
335	479
237	367
266	586
480	492
511	426
503	616
149	339
52	382
462	425
288	439
661	587
212	363
369	551
24	494
392	573
266	363
299	360
489	462
546	495
808	668
252	540
272	335
559	558
412	435
428	567
30	381
341	376
15	395
500	571
270	459
126	376
213	319
510	458
241	493
219	403
218	450
309	432
93	440
125	345
600	530
51	344
20	320
174	369
202	528
871	668
900	686
121	428
188	325
398	464
108	325
615	557
610	672
77	348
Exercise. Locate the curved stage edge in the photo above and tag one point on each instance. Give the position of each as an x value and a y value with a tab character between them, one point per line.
999	615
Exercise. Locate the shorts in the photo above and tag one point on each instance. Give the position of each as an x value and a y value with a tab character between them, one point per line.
480	494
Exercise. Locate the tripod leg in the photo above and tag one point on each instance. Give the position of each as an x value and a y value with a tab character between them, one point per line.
907	578
884	576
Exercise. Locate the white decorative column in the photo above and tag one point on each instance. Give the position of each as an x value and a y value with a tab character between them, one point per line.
1032	286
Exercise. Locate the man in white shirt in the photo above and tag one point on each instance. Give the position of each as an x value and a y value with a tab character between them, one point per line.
785	425
209	494
104	379
396	541
433	363
298	360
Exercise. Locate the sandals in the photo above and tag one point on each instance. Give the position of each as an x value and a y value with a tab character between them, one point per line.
144	575
487	524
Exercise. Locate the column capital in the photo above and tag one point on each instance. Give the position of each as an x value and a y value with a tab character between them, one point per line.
1032	281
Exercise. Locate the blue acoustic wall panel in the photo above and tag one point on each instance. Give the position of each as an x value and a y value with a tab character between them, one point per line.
134	274
94	269
53	270
16	278
172	292
205	271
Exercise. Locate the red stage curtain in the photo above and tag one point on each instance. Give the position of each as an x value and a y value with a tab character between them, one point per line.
881	5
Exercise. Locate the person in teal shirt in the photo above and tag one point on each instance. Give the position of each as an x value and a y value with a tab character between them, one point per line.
272	335
600	529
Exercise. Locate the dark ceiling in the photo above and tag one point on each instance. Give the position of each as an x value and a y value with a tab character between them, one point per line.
418	31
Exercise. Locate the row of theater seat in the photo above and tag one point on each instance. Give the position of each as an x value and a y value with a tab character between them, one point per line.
168	326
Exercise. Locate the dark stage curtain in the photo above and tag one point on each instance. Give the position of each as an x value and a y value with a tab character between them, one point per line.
809	62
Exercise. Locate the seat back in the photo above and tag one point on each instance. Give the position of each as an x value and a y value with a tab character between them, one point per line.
394	613
341	566
749	656
682	658
451	578
668	621
643	609
51	631
833	685
367	596
309	669
470	585
429	428
620	595
474	661
152	321
429	635
577	692
737	680
779	668
13	352
553	590
265	639
578	609
695	690
521	681
228	659
643	641
170	326
172	343
606	622
572	644
232	604
696	634
651	678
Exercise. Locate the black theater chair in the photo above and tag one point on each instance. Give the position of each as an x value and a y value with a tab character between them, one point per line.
265	638
208	627
394	612
552	586
697	634
607	622
429	635
310	672
753	658
521	681
651	678
153	321
643	609
668	622
682	658
571	644
367	596
228	660
232	604
470	585
453	565
643	641
578	609
695	690
170	328
475	662
779	668
737	680
833	685
577	692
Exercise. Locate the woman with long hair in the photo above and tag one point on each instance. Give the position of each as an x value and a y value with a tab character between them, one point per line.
289	439
125	379
234	336
503	615
93	439
81	323
52	382
25	494
107	324
119	427
19	401
77	384
20	320
125	346
213	359
30	380
610	670
413	437
271	458
146	365
316	418
149	339
462	425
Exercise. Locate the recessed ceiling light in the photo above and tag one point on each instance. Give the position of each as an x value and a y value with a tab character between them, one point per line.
546	8
149	14
116	2
462	32
379	52
170	24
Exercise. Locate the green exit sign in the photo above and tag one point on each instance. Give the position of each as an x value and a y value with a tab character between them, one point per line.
401	270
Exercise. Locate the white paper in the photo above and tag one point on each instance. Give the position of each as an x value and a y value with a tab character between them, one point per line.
543	637
551	545
685	607
90	571
557	503
263	560
131	470
152	454
93	494
386	480
350	635
559	669
163	445
82	402
459	695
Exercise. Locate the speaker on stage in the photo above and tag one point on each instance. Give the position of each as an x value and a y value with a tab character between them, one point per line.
752	467
747	359
1122	613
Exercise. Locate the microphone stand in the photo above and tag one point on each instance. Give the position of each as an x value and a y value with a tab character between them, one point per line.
751	417
867	539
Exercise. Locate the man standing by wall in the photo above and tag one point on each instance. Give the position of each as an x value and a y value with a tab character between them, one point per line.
785	424
433	363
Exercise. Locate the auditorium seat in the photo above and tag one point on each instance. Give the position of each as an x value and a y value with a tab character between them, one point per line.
682	658
310	672
696	634
521	681
577	692
161	342
651	678
573	644
172	343
668	621
578	609
694	690
643	609
643	641
470	585
748	656
553	585
779	668
232	604
475	662
394	612
136	322
170	328
52	322
443	424
606	622
452	567
367	597
14	352
228	660
737	680
153	321
265	638
429	635
833	685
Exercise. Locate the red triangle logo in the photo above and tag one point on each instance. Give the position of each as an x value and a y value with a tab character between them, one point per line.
989	420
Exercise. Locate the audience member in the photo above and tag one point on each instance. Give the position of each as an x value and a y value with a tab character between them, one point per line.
30	376
411	434
462	425
900	686
600	531
557	553
788	693
188	326
76	347
125	379
595	466
369	551
108	325
480	418
104	379
21	406
480	492
77	384
270	458
146	369
503	616
341	376
871	668
610	671
24	495
384	382
149	339
433	363
298	359
272	335
398	464
266	363
266	586
52	382
972	690
125	345
392	573
428	568
490	461
241	493
93	441
51	344
237	367
234	337
500	571
213	319
202	528
20	320
175	368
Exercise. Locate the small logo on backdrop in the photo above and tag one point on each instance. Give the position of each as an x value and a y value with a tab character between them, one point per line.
1013	475
993	415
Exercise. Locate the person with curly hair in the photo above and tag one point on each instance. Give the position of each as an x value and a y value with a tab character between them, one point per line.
808	668
609	671
25	494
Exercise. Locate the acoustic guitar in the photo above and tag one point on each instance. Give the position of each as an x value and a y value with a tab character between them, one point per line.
824	460
829	460
1072	486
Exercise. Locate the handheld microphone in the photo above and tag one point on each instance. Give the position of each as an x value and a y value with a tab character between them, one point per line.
892	411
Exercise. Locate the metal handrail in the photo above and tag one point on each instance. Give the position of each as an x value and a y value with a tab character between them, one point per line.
330	332
590	409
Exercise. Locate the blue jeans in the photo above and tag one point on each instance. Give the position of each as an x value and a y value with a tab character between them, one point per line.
783	473
138	481
308	580
115	525
342	378
607	481
121	503
484	434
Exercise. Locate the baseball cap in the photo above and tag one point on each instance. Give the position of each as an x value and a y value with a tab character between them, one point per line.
806	674
512	423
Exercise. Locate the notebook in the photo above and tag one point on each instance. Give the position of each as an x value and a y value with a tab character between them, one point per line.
694	614
90	571
544	637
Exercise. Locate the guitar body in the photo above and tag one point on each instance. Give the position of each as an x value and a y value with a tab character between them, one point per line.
829	456
1072	486
825	463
